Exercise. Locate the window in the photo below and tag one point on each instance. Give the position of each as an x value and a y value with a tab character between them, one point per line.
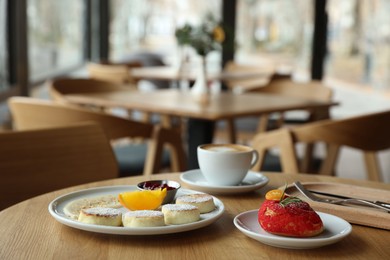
149	25
55	37
359	42
277	32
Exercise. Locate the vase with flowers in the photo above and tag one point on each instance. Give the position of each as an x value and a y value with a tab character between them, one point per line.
204	38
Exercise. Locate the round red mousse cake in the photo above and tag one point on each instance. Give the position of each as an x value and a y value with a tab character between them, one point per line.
289	217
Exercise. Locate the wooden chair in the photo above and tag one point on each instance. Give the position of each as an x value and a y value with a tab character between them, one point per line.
59	88
62	86
313	90
368	133
243	85
119	73
113	72
34	162
29	113
271	83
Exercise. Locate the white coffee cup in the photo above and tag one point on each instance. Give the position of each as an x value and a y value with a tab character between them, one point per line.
226	164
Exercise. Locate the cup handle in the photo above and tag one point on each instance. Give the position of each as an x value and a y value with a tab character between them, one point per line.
255	158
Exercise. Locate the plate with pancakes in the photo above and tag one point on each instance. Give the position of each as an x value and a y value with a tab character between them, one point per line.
66	210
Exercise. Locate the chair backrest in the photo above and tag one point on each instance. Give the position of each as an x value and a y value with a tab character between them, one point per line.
62	86
29	113
245	84
59	88
313	90
113	72
34	162
234	66
368	133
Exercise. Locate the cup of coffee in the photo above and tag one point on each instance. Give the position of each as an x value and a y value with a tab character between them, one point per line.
226	164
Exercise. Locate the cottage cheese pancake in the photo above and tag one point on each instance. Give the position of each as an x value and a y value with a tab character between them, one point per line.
143	218
73	208
204	202
176	214
101	216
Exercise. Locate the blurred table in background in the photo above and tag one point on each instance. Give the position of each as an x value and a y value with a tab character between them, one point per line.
175	74
173	102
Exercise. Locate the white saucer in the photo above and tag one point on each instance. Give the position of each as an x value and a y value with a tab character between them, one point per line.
335	229
251	182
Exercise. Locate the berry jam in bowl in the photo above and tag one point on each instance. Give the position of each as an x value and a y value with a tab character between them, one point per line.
171	186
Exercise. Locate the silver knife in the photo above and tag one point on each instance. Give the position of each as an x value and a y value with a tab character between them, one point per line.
337	201
384	204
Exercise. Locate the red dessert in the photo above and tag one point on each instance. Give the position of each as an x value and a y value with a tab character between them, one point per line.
289	216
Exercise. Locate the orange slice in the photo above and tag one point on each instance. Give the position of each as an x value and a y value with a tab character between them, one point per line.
142	199
274	195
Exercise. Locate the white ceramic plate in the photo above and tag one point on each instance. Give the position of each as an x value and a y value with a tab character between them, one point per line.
56	209
335	229
251	182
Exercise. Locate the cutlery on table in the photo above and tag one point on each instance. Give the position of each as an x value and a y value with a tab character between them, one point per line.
382	203
339	201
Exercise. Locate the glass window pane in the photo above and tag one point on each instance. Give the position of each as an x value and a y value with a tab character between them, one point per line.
55	36
149	25
3	47
359	41
345	57
276	32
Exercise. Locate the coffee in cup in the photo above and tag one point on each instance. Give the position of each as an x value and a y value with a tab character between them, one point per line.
226	164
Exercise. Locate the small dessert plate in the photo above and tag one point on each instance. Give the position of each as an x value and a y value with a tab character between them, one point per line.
252	181
335	229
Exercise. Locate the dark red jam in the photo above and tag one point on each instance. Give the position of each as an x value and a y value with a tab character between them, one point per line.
155	186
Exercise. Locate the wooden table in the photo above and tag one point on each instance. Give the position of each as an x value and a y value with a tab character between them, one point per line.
173	102
28	231
174	74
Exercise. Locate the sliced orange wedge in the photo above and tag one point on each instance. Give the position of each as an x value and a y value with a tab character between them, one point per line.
142	199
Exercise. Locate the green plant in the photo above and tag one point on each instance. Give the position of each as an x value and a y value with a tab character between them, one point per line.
204	38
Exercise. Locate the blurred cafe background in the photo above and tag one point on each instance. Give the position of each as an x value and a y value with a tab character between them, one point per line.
344	43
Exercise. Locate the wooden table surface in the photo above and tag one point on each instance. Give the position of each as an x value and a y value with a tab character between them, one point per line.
28	231
177	103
